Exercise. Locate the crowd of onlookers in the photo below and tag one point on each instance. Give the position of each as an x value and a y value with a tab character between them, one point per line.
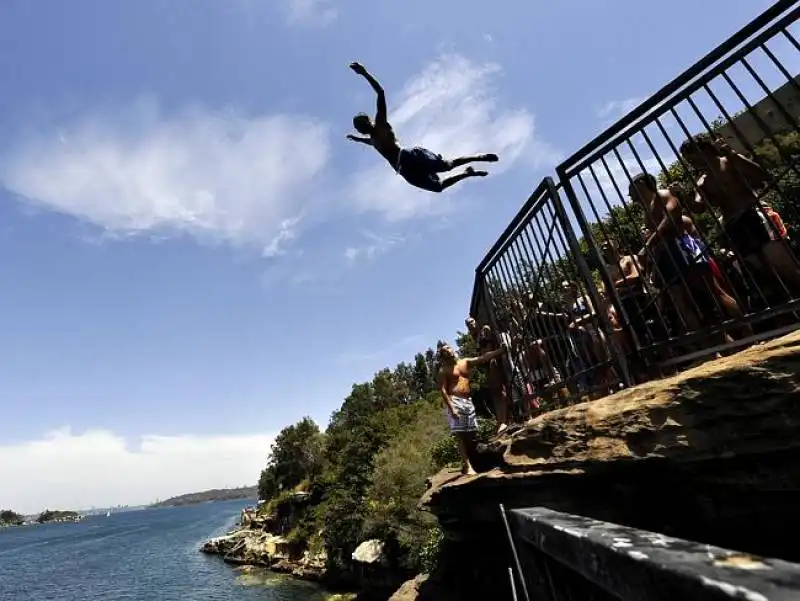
684	295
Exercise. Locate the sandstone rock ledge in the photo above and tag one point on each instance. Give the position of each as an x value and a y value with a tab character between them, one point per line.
710	455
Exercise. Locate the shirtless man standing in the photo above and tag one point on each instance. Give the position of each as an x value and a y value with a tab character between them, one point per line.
626	273
418	166
728	182
678	256
453	380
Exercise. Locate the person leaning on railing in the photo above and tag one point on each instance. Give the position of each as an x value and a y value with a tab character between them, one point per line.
729	182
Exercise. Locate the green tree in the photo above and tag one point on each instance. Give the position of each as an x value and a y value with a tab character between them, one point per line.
398	481
296	455
11	518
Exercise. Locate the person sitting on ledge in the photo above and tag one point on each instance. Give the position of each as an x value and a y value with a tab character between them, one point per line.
419	166
453	381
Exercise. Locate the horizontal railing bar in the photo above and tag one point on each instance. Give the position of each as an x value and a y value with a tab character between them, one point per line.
637	565
597	146
730	324
729	346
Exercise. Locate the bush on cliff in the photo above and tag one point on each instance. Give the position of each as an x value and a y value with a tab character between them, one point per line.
398	482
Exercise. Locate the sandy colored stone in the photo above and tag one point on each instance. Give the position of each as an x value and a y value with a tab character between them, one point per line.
743	404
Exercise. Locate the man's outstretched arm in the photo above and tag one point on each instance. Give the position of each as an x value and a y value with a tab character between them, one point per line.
486	357
362	139
380	114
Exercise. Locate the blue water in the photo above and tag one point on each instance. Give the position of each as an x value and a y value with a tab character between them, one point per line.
148	555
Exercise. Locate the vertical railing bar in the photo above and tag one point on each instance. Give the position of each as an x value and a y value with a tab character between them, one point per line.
779	105
626	321
585	272
687	170
707	253
790	37
637	343
768	133
749	148
693	174
513	584
514	552
548	325
779	65
671	258
585	352
590	241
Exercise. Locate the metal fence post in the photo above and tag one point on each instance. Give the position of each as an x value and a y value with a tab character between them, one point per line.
604	323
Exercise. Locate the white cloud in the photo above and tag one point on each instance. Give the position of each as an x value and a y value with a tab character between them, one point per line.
66	470
310	12
220	177
375	245
286	233
452	108
616	109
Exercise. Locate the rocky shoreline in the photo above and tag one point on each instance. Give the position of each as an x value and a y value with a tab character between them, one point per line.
252	543
259	541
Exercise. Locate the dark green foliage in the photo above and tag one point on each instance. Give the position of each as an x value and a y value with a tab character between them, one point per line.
215	494
296	455
10	518
367	471
51	516
429	553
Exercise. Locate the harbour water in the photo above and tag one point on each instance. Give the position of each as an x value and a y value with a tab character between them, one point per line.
146	555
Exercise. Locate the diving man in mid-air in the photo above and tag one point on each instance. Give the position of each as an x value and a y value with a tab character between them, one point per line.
419	166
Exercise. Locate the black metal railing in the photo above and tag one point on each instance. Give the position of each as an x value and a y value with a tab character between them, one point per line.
564	556
687	210
534	288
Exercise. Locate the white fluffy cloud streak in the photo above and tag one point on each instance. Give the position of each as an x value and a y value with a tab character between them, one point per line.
219	177
310	12
451	108
97	468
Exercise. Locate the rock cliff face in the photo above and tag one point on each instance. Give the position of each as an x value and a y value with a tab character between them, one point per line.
709	455
259	541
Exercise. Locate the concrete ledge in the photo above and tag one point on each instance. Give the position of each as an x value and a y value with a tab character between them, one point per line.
636	565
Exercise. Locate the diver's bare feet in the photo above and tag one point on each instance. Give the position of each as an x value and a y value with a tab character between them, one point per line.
467	470
472	173
489	158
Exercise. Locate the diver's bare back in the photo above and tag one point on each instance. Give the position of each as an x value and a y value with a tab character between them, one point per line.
384	141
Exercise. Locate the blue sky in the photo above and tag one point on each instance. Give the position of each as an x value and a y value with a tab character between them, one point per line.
194	256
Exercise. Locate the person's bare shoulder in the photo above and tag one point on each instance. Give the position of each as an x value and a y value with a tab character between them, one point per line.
462	366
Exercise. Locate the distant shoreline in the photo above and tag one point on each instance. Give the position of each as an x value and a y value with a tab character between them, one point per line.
244	493
46	517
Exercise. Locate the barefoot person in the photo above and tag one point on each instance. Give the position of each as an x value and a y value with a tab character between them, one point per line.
453	380
419	166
